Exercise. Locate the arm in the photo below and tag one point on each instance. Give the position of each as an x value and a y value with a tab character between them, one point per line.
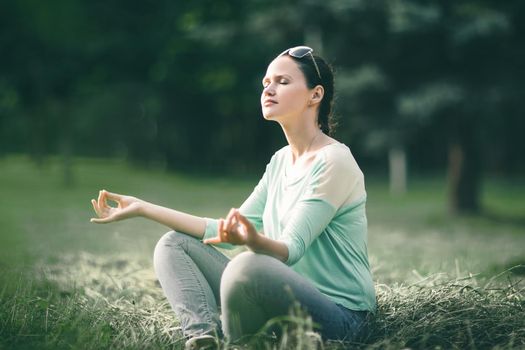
268	246
129	207
333	183
177	220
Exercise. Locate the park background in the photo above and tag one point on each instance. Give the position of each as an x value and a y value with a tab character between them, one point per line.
160	99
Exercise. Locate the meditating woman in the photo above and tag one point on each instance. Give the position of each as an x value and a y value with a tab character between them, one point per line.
304	227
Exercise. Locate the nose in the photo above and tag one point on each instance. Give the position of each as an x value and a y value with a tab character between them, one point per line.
268	90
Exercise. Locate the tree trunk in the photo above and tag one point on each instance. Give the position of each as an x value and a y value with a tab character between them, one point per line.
398	172
464	173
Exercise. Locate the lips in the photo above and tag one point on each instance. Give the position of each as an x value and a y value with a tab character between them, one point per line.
269	102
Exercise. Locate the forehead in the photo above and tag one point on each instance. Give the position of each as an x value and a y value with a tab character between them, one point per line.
284	65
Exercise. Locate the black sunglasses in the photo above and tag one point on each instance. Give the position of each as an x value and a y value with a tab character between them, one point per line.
300	52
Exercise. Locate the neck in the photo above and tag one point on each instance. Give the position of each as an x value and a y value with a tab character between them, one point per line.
302	139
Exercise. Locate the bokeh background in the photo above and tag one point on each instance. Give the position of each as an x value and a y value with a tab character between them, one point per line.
160	99
427	86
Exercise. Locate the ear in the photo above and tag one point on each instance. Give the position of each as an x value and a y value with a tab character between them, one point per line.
316	95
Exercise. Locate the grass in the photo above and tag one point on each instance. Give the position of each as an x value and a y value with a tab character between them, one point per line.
441	282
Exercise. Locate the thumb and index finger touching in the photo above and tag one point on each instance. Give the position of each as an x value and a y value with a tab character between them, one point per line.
103	195
100	203
241	218
109	195
235	216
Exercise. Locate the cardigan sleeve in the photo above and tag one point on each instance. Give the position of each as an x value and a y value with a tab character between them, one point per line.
335	181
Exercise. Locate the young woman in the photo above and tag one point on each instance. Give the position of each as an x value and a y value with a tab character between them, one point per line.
304	225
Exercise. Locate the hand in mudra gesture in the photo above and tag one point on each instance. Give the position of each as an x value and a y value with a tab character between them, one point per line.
127	207
235	229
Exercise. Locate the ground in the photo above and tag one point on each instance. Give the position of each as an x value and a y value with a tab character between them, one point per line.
441	281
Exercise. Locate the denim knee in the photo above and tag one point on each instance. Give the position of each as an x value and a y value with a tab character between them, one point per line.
167	242
244	265
241	273
241	313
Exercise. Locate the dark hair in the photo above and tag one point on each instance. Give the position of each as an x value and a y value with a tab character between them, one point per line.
326	119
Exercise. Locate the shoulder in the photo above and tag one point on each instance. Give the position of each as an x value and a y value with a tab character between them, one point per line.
337	178
338	158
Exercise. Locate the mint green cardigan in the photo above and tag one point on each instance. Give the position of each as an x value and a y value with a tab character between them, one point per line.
320	215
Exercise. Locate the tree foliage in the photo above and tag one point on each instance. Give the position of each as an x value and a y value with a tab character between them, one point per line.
178	82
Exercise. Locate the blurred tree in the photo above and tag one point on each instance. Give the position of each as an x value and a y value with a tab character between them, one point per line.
453	81
434	84
45	57
440	66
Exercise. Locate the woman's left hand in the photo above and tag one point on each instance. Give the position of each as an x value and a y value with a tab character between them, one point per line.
235	229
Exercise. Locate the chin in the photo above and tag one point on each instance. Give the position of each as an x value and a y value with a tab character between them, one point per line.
268	116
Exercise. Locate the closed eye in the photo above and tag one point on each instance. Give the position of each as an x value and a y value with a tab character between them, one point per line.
279	79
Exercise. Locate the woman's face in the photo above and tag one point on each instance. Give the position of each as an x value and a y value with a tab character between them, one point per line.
285	92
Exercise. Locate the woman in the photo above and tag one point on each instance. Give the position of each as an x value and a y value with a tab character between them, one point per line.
304	226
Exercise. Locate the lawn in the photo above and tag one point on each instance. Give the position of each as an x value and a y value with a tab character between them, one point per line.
441	281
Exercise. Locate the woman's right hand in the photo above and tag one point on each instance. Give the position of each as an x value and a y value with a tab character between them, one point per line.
127	207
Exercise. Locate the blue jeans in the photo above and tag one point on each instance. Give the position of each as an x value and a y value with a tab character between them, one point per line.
251	289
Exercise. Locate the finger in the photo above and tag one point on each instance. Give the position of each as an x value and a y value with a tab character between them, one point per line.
113	196
222	229
101	200
214	240
101	220
223	236
95	207
235	225
242	219
114	216
229	219
221	225
237	215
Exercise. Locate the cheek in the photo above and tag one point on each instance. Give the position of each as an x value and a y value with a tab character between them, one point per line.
296	98
296	92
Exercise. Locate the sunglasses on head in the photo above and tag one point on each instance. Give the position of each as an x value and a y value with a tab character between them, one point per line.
300	52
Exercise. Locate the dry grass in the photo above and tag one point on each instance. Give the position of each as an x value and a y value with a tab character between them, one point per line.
65	284
89	301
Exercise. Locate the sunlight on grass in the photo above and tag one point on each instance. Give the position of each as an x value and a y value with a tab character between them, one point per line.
115	302
65	283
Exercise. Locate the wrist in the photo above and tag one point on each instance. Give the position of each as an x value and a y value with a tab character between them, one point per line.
254	241
143	208
261	244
